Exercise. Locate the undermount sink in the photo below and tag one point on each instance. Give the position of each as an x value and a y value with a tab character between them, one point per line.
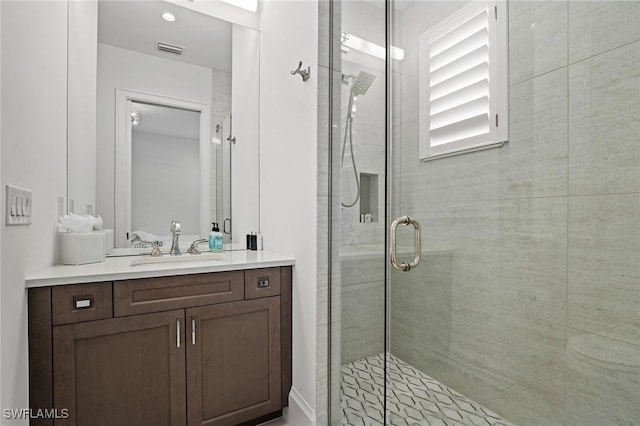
205	257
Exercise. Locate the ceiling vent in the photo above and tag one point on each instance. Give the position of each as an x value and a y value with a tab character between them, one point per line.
169	48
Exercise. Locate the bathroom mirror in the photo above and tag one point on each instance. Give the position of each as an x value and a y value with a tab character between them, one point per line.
163	121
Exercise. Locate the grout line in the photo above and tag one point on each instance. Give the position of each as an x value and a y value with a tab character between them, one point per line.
615	339
528	79
568	64
541	197
566	293
602	53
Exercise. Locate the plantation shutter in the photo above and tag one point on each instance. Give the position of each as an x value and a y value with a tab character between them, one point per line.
459	108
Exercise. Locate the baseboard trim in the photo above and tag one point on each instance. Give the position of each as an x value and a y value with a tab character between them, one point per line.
299	412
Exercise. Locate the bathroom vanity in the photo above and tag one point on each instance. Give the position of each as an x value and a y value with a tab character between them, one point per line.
194	343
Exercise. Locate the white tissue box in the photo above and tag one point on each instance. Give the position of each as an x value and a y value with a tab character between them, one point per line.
81	248
108	240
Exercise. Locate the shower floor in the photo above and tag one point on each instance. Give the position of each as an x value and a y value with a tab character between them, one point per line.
413	397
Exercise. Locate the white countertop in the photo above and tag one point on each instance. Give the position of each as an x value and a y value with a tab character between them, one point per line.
119	268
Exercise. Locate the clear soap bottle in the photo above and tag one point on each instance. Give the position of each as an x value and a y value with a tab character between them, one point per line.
216	239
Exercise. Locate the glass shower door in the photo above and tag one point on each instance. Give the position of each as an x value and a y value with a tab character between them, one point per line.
519	302
445	152
523	308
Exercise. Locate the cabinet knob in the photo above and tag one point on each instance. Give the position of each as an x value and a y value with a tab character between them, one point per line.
263	282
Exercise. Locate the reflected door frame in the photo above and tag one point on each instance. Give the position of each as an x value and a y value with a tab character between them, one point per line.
122	204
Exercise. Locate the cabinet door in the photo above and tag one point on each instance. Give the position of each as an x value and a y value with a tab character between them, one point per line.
122	371
233	361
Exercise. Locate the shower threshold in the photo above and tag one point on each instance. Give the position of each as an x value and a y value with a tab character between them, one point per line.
413	398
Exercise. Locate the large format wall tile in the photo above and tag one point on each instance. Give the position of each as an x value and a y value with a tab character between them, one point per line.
598	26
322	372
323	131
363	268
485	310
509	255
470	176
322	260
603	381
514	364
362	320
534	162
604	265
604	106
537	38
324	41
324	123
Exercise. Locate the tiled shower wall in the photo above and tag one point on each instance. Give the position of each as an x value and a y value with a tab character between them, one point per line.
328	327
528	293
362	250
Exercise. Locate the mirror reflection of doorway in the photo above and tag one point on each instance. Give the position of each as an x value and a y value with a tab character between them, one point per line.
162	197
165	169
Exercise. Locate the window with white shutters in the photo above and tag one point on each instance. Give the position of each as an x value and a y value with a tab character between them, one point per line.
463	81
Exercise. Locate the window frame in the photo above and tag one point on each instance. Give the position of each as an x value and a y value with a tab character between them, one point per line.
498	84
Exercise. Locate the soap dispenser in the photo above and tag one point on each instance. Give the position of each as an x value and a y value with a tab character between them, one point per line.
216	239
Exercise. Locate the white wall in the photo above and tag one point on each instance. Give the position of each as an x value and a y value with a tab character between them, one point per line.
223	11
165	184
288	167
82	63
245	89
143	73
34	121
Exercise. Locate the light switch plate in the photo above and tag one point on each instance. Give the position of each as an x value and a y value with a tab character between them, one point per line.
18	206
61	207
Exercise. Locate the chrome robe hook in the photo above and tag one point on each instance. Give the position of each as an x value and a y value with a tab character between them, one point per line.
305	74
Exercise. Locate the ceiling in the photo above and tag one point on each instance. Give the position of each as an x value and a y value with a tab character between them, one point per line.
397	4
137	25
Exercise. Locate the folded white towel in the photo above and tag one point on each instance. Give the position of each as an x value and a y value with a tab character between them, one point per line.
138	239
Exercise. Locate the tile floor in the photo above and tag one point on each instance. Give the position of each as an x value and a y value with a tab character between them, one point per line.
413	398
276	422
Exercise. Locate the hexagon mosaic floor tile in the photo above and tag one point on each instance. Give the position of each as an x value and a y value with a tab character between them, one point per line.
413	398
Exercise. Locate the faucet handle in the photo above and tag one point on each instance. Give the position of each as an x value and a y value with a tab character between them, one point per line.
155	251
193	248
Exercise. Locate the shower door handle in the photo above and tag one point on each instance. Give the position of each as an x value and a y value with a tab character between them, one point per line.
405	266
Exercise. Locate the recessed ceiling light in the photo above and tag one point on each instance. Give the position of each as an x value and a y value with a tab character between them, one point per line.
168	17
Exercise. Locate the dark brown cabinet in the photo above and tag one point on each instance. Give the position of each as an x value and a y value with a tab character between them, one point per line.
166	351
233	362
121	371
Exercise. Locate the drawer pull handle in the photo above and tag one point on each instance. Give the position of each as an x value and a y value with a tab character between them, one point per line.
193	330
263	282
82	302
177	332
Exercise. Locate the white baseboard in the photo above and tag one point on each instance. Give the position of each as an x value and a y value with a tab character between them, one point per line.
299	412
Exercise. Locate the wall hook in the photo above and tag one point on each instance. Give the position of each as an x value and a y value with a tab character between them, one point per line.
305	74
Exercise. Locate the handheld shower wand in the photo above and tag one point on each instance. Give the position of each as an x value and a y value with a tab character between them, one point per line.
361	84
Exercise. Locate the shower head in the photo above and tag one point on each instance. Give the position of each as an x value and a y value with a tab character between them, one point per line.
362	83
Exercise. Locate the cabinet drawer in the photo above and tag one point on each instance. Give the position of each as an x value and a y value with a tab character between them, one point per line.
81	302
261	283
163	294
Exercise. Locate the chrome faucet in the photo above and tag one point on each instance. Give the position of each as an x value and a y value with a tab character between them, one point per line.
175	233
